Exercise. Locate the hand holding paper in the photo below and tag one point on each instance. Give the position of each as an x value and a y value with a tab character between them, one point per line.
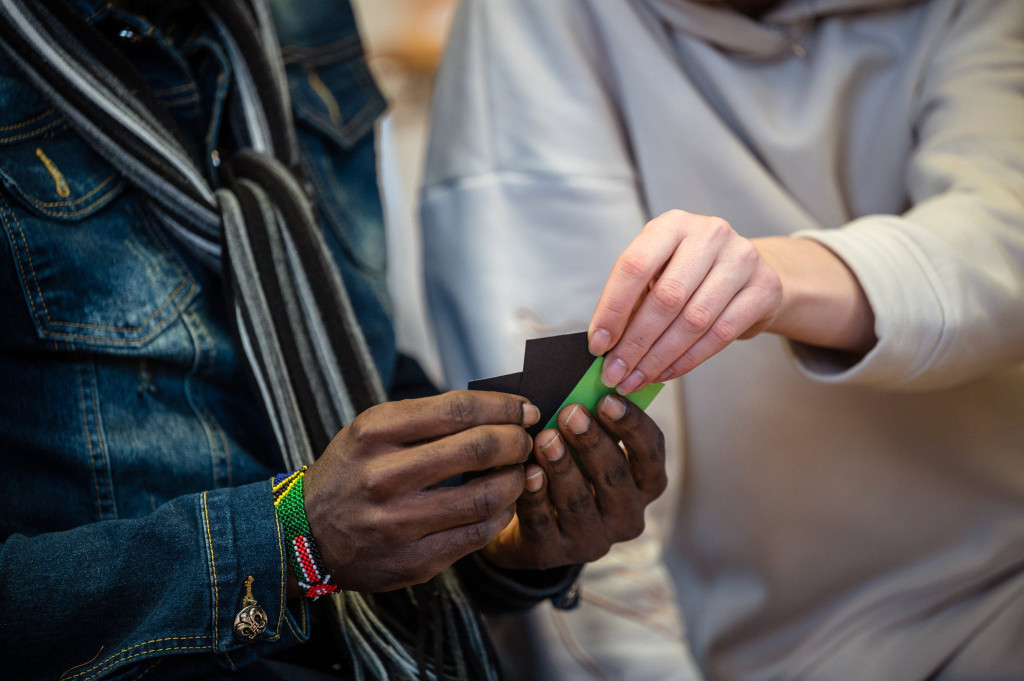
562	519
574	509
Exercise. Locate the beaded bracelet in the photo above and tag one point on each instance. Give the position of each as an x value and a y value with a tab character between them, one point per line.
307	564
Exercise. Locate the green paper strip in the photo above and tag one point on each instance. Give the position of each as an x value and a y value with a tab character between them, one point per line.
590	390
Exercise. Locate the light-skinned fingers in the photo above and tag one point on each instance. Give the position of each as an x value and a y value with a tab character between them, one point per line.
477	449
420	420
670	294
743	312
698	315
644	442
628	282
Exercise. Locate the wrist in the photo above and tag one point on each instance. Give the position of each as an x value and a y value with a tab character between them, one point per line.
310	576
823	304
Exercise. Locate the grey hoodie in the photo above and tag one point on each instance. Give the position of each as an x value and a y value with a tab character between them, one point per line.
839	518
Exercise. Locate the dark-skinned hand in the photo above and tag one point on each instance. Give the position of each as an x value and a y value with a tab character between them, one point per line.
561	517
372	499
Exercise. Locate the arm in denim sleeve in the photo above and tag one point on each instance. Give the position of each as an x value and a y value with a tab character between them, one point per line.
162	590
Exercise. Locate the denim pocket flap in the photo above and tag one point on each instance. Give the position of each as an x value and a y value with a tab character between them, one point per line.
332	90
53	171
92	265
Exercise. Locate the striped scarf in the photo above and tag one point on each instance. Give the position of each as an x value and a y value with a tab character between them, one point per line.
293	316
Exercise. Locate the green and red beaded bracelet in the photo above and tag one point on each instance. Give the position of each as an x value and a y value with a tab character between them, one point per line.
308	566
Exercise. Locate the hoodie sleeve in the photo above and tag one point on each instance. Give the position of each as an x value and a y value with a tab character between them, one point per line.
946	278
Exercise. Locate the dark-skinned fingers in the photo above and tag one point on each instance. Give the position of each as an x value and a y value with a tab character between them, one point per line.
447	546
533	540
537	521
420	420
615	492
644	442
477	449
442	508
571	496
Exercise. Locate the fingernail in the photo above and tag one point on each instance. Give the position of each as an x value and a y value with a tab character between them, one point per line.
534	477
614	373
600	339
531	414
553	450
578	421
635	380
613	407
667	374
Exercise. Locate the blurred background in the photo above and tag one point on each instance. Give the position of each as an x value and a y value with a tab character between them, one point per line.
404	41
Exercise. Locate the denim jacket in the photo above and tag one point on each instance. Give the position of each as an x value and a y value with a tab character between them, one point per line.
136	493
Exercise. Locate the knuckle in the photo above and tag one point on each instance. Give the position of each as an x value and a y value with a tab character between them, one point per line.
717	227
747	255
660	485
513	410
685	364
484	505
724	331
633	263
617	474
477	449
461	407
632	346
540	521
696	318
478	533
579	502
668	294
658	446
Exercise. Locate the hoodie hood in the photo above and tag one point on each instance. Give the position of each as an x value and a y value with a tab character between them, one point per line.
774	35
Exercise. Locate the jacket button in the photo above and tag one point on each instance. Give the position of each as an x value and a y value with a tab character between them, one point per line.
250	622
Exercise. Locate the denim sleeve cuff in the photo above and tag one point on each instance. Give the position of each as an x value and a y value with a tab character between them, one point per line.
242	538
496	590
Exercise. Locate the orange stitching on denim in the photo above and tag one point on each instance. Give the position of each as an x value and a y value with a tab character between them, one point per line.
98	327
368	111
218	431
81	211
231	662
88	441
32	133
137	645
342	46
144	259
213	564
46	311
325	95
122	660
101	442
69	202
18	262
29	121
84	663
63	190
122	329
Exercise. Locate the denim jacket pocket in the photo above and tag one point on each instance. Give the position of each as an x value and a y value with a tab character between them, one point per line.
93	268
336	103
